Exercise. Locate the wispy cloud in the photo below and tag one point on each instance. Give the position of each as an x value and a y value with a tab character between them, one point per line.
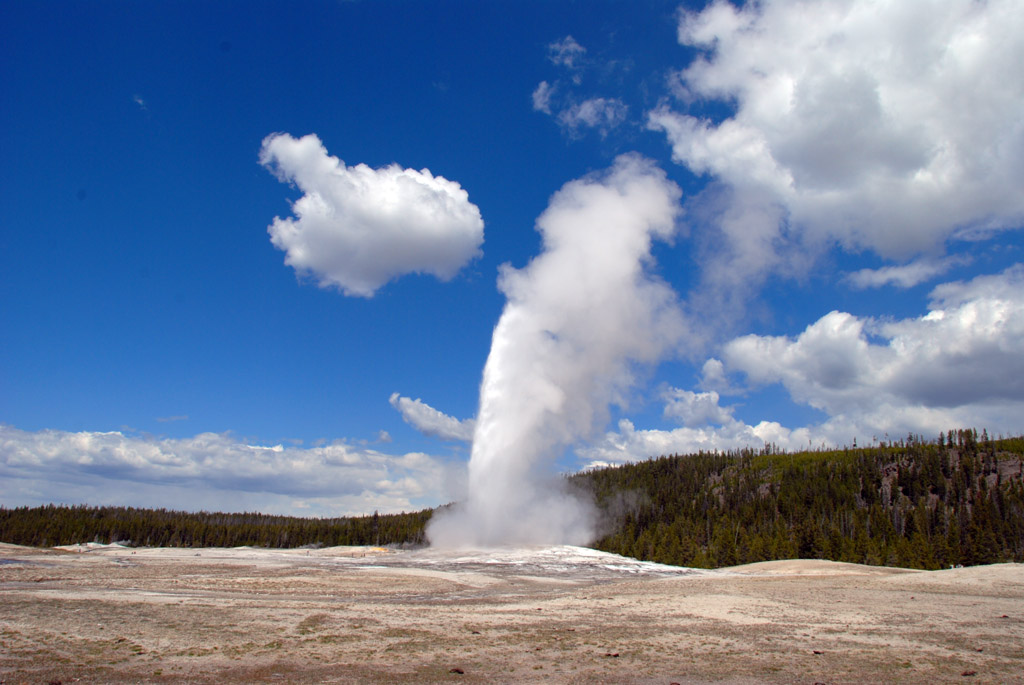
600	114
567	53
905	275
430	421
542	97
573	111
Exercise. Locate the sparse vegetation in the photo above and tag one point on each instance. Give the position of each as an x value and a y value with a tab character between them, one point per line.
312	623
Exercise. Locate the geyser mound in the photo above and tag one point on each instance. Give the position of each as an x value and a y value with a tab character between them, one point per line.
538	561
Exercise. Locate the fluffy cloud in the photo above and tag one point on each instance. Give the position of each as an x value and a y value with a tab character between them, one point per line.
892	126
713	376
696	408
209	470
356	228
966	354
430	421
961	364
627	444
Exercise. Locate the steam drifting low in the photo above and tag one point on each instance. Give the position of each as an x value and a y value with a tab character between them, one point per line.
579	320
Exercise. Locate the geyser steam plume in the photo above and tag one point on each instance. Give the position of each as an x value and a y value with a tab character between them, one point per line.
579	318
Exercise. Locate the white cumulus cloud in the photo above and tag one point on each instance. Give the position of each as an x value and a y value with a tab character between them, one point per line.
430	421
961	363
893	126
356	228
696	408
629	444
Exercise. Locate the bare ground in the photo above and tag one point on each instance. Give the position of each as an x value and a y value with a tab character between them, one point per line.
357	615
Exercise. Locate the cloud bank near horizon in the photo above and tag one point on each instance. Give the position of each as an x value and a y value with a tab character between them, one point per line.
960	364
212	472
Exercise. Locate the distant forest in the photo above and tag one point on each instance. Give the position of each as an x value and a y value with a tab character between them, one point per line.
51	526
910	503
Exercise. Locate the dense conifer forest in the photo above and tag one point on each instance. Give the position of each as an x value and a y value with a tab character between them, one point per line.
910	503
51	526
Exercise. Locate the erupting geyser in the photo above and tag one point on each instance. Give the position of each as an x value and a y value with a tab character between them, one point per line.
579	317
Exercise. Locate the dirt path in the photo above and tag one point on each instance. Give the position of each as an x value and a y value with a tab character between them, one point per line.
356	615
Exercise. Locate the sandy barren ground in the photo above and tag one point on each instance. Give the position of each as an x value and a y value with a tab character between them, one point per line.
348	615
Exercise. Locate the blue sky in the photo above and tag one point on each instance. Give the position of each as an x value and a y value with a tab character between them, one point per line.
846	256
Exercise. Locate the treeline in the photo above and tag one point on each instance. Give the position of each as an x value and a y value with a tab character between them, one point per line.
50	526
909	503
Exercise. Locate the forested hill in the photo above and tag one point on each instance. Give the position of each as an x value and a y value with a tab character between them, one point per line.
911	503
959	500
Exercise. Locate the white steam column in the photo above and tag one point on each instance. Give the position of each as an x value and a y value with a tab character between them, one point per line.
579	318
